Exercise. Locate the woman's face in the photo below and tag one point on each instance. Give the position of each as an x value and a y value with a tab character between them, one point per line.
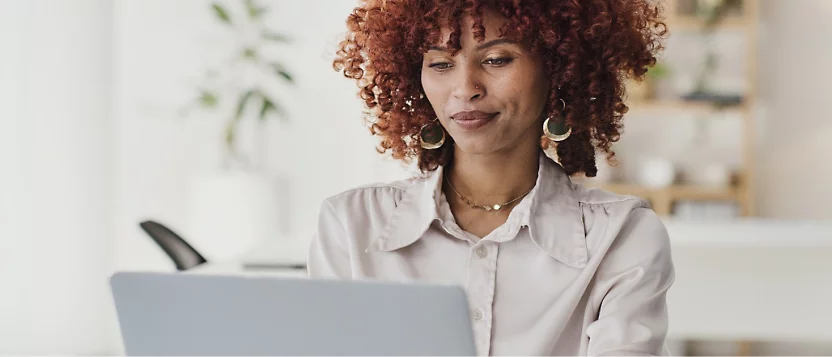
491	95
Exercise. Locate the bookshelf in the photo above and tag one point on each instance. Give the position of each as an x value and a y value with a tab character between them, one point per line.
682	17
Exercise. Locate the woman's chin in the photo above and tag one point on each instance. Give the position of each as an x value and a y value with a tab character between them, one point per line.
476	146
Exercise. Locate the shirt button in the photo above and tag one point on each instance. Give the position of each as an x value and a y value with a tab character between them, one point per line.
481	252
476	315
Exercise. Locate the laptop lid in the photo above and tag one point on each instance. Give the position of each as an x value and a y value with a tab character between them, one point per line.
190	314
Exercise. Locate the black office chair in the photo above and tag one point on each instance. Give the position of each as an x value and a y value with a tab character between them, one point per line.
183	255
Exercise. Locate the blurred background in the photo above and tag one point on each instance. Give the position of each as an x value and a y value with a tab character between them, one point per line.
224	122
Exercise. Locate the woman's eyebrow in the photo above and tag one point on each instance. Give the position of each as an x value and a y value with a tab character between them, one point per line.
483	46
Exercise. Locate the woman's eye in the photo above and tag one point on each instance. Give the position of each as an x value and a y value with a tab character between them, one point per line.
498	61
440	65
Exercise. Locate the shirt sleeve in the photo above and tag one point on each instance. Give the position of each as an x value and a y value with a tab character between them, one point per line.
328	253
636	274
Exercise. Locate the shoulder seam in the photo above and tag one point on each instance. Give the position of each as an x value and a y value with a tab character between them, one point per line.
616	197
371	187
621	198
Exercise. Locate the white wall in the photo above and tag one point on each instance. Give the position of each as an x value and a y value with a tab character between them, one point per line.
796	82
325	148
79	173
154	61
160	47
54	218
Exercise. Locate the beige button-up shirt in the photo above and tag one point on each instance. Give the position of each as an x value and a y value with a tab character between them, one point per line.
573	271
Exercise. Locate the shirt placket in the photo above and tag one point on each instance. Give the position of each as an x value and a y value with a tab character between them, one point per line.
482	272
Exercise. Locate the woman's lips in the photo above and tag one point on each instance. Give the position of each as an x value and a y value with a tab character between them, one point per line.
472	120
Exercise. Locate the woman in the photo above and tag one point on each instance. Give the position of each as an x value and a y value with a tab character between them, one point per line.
477	92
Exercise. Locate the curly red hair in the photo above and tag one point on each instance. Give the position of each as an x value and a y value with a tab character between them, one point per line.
588	48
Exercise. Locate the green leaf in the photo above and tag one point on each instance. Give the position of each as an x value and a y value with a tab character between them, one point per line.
221	13
241	104
230	131
281	71
208	99
658	70
275	37
269	106
250	6
254	11
249	53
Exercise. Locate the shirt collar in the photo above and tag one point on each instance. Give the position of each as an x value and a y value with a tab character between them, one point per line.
551	211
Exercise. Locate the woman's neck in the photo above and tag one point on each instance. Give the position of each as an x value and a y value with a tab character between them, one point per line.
494	178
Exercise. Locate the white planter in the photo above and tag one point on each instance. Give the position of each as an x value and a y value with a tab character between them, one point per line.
711	175
656	173
230	213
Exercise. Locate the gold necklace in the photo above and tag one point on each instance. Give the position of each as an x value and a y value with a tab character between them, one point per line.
496	207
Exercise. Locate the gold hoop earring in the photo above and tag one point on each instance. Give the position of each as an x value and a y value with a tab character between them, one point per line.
432	135
555	128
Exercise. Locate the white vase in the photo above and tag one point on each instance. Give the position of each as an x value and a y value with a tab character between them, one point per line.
714	175
230	213
656	173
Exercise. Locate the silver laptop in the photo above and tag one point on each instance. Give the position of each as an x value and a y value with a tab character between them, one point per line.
175	314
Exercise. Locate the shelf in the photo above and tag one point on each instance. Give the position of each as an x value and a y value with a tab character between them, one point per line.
683	18
662	106
702	193
693	23
674	192
662	199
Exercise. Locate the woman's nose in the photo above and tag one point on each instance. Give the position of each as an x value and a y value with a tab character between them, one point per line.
469	87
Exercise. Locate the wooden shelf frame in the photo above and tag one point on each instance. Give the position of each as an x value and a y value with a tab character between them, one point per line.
669	106
743	191
662	199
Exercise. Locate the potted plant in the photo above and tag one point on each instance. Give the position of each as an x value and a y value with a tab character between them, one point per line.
234	207
645	90
713	13
240	87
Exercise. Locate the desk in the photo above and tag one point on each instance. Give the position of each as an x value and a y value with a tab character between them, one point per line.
735	280
751	279
741	292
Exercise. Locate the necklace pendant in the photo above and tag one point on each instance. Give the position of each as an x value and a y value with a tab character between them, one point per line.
497	207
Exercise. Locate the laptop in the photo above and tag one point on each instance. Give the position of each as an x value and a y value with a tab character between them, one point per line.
176	314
